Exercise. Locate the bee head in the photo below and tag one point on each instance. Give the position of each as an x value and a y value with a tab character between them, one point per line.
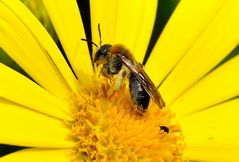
101	54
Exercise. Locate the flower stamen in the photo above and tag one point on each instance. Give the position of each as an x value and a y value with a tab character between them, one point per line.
107	127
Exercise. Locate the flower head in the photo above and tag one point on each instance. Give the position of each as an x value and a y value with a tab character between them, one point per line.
107	127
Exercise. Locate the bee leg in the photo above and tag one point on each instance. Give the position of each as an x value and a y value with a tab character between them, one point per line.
120	79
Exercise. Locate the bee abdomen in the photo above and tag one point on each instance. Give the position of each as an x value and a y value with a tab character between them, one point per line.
138	95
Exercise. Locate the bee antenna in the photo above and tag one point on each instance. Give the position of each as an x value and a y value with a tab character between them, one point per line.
87	40
99	34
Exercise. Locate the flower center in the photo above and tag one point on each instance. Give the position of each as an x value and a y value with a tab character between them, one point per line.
108	127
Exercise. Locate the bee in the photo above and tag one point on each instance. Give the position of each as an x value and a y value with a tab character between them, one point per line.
114	59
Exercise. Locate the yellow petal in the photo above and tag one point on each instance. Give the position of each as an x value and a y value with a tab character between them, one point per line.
67	22
103	12
135	20
215	153
28	43
189	19
125	22
212	135
218	86
23	127
219	39
19	89
39	155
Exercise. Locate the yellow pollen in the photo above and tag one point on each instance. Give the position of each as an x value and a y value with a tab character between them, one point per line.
107	127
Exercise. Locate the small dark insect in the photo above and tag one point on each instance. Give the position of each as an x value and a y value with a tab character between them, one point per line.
116	59
164	128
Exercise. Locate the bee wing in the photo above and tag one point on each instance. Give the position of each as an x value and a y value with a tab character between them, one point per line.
144	79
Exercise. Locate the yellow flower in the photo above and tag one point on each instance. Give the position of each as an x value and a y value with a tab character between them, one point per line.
67	119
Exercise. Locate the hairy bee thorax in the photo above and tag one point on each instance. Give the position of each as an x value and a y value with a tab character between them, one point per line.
120	49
